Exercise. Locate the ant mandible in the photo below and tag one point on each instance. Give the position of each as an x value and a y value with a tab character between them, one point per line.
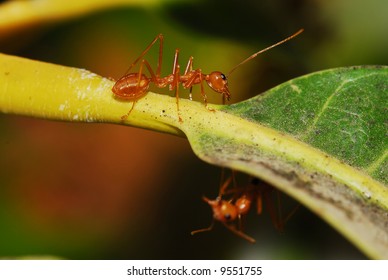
231	212
133	86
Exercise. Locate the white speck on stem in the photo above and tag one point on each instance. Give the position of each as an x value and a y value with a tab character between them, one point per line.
86	74
63	106
367	195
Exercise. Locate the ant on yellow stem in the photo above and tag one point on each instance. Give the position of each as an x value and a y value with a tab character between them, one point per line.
231	212
133	86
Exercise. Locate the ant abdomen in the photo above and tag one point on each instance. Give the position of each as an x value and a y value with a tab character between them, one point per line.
131	86
243	204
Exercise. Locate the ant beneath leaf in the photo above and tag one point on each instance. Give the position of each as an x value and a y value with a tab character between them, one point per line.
133	86
232	206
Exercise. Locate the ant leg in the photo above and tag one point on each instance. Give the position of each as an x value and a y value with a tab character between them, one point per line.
158	69
188	69
154	78
222	176
124	117
177	93
265	192
259	203
224	186
276	218
241	222
226	183
202	88
175	82
189	66
194	76
240	233
231	228
203	91
280	222
291	214
209	228
234	178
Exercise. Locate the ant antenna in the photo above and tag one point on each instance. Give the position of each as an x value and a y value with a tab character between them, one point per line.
266	49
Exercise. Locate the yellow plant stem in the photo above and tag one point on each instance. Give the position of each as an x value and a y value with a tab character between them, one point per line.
19	14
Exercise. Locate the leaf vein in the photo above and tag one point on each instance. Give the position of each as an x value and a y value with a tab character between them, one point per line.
376	164
326	105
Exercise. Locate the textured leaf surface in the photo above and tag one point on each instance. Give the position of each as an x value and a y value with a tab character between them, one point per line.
342	112
320	138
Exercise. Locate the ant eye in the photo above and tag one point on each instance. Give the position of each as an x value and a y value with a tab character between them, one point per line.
223	77
227	216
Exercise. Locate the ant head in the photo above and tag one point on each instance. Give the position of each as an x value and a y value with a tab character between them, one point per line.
223	211
219	83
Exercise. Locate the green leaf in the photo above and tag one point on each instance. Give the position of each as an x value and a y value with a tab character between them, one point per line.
342	112
320	138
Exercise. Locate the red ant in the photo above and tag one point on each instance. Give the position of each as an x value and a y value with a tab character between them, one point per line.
231	212
133	86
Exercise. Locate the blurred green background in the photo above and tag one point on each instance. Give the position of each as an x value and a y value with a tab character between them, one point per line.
96	191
